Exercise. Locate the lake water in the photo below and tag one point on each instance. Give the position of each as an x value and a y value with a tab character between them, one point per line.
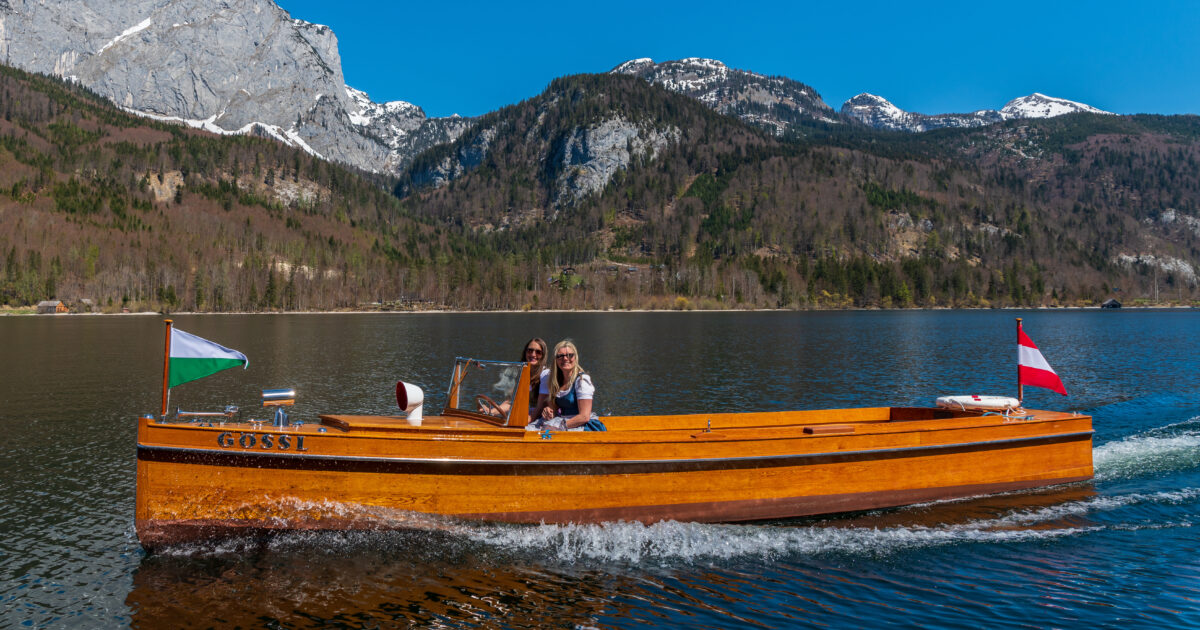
1116	552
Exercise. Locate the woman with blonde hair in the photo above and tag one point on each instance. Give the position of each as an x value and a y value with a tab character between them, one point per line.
570	392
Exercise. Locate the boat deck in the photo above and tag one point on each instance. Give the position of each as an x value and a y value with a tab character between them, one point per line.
873	420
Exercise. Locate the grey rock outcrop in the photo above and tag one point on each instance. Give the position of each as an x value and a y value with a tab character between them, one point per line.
574	161
461	157
582	162
229	66
589	157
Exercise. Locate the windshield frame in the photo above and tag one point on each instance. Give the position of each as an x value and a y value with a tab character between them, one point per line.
471	378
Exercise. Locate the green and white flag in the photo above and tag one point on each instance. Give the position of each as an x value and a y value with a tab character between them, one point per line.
194	357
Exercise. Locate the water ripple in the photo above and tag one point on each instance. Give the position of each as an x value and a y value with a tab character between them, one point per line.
1118	552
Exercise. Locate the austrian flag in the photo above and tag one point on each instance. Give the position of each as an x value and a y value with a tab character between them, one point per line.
1032	368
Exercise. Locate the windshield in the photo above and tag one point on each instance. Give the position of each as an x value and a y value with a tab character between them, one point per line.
484	386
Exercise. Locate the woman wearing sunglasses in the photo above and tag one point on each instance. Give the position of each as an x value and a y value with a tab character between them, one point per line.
534	354
571	392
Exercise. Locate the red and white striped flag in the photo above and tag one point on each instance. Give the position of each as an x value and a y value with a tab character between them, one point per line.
1032	368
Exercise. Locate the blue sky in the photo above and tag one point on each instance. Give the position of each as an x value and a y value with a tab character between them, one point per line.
474	57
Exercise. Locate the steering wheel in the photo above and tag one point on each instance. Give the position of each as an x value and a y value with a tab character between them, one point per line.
480	399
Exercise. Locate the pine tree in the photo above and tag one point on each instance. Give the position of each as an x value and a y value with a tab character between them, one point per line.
271	296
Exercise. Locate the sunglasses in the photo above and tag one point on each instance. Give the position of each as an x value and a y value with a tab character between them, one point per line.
565	355
535	351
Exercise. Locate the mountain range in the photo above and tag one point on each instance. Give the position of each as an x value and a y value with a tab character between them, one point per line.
654	185
247	66
610	167
877	112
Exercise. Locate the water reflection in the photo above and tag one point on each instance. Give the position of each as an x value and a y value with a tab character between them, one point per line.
1054	508
682	574
364	580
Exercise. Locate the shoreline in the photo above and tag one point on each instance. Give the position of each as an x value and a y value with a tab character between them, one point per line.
22	312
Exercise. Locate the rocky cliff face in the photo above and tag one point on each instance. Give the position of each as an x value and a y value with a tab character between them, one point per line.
575	161
229	66
588	157
403	127
878	112
461	157
775	103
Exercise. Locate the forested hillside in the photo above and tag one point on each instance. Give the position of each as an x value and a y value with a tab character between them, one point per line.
136	214
1062	211
602	192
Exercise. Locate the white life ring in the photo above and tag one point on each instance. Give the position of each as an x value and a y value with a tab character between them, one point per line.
979	403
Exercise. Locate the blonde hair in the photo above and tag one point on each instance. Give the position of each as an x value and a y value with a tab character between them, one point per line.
556	382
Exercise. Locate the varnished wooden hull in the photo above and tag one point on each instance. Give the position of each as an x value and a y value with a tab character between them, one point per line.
370	472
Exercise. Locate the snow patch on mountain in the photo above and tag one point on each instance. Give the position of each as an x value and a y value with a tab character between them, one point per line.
366	111
877	112
127	33
401	126
289	136
633	66
694	75
1039	105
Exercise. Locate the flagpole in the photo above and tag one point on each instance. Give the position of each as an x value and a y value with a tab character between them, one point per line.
1020	386
166	391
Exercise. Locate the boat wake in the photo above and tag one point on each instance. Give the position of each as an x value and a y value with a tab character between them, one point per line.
1167	449
673	542
689	542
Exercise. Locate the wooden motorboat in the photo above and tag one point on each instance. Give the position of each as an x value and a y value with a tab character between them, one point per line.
218	475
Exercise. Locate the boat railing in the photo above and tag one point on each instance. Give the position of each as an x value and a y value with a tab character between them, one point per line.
229	414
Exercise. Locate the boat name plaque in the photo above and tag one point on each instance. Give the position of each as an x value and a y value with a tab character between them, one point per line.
266	441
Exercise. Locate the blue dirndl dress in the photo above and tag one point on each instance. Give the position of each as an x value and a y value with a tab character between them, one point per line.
568	405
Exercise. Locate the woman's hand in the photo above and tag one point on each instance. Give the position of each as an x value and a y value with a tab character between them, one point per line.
489	406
